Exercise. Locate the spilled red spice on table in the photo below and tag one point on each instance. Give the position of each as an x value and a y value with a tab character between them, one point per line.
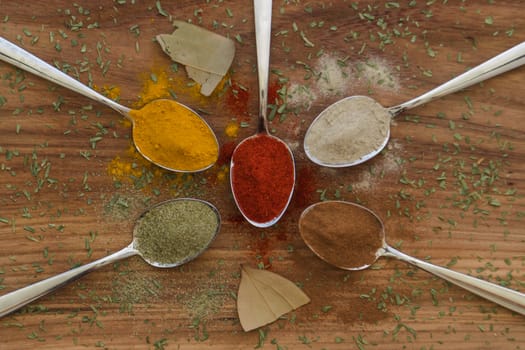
273	92
236	99
305	187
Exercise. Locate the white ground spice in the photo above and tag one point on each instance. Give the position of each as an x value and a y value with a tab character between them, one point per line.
348	131
337	76
333	76
377	73
300	96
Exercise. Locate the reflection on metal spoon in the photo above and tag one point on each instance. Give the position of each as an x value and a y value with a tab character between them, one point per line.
22	59
355	239
16	299
262	200
355	129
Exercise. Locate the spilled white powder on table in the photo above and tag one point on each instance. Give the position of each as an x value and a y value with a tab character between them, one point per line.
376	72
301	96
383	167
334	74
338	77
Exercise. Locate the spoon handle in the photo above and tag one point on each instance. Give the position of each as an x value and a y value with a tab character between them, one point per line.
505	61
23	296
262	10
24	60
506	297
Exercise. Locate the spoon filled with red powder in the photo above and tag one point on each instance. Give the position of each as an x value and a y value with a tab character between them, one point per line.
352	237
262	173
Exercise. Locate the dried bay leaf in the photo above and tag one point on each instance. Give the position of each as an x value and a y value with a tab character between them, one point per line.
207	56
264	296
208	81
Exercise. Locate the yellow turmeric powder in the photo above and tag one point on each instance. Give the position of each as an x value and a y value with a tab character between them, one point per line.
172	136
131	168
232	129
154	88
110	91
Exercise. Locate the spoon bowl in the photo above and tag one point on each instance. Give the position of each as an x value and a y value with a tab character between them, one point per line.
24	60
355	239
357	128
16	299
253	202
265	202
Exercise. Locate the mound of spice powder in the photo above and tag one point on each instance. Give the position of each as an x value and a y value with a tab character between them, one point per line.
173	136
262	177
176	231
348	131
343	234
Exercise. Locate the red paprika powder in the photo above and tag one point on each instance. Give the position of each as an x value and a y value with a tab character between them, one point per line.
262	177
237	99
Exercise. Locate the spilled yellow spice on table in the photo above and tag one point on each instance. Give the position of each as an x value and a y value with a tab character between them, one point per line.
232	129
110	91
130	166
156	85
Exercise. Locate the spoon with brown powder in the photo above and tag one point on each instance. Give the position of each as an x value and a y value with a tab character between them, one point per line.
355	129
352	237
166	132
168	234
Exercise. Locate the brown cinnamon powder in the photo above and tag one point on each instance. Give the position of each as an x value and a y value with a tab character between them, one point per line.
341	233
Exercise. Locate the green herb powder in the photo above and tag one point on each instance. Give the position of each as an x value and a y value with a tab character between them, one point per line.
175	231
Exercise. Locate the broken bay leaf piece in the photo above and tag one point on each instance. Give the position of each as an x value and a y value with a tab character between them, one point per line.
264	296
207	81
206	55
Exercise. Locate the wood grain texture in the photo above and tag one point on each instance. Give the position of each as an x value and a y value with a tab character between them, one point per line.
449	186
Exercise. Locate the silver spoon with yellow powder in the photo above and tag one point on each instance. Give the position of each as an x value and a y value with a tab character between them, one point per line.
166	132
355	129
168	234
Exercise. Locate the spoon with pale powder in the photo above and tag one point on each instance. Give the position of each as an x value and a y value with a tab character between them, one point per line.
355	129
352	237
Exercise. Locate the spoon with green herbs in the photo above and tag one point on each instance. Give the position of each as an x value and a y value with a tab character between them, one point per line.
352	237
168	234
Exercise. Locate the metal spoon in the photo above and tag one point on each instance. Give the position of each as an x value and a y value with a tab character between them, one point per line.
333	248
348	109
22	59
263	21
18	298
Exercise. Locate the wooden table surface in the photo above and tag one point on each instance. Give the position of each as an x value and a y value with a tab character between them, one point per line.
450	185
